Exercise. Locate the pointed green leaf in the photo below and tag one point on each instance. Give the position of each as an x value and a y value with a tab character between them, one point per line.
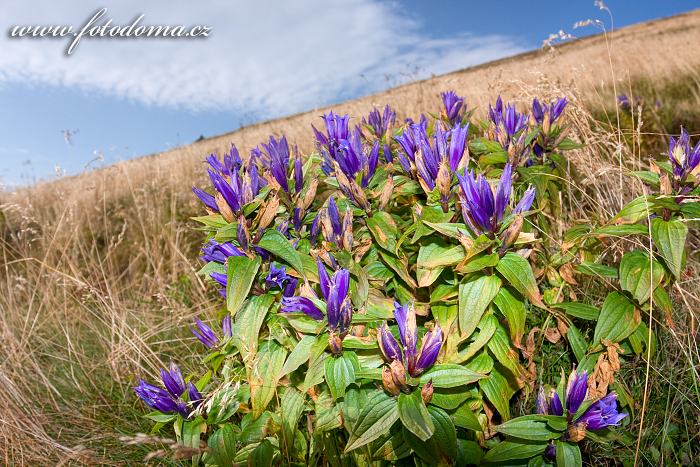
568	455
340	372
277	244
669	237
517	271
449	375
376	418
640	275
241	274
414	415
618	319
474	297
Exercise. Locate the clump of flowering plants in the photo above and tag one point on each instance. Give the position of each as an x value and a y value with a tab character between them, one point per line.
378	294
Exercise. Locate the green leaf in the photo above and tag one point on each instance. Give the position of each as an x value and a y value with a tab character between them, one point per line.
498	391
596	270
241	274
399	267
517	271
377	417
246	326
277	244
449	375
640	275
474	297
391	448
618	319
291	406
528	427
514	312
314	375
414	415
634	211
500	347
568	455
479	263
431	260
577	342
384	230
301	354
222	445
622	230
465	418
579	310
514	450
265	375
340	372
487	328
443	442
669	237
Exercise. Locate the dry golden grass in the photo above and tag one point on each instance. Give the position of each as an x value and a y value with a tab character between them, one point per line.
97	272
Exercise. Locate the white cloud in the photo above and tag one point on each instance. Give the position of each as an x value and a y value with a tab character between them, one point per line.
260	58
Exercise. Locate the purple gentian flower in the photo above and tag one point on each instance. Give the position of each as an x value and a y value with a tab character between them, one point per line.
552	111
601	414
335	293
416	362
380	122
508	124
219	252
454	107
165	400
277	152
204	333
482	209
684	158
195	396
234	189
276	277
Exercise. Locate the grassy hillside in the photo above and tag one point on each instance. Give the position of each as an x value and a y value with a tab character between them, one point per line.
97	272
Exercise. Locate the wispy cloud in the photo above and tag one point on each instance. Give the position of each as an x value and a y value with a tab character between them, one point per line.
261	58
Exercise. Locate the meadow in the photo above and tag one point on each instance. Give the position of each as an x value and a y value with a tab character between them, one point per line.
99	280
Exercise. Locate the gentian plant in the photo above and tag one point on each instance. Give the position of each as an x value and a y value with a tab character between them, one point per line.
381	294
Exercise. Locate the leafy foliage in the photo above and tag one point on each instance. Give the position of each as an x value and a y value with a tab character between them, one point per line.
384	292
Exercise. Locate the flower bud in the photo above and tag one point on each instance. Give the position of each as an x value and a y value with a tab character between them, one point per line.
510	235
386	193
388	382
427	392
335	343
347	230
267	214
444	180
224	208
576	432
398	373
310	194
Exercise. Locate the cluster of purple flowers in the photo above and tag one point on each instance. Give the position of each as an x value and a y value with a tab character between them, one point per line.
169	400
601	414
547	115
684	158
415	361
454	107
508	126
483	209
337	303
207	336
233	188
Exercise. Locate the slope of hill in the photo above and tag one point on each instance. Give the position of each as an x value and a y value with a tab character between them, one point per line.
598	67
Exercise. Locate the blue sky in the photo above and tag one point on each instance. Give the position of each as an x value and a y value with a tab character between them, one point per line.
125	98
